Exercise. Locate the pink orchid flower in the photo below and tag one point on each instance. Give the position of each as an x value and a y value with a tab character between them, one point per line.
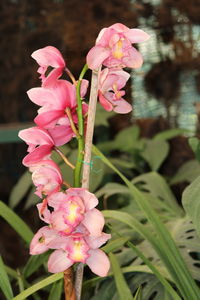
114	48
55	101
46	177
78	250
41	142
110	94
71	209
49	57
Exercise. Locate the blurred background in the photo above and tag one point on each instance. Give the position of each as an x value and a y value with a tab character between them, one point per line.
164	92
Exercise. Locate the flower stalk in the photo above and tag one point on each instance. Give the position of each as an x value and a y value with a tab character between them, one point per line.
87	159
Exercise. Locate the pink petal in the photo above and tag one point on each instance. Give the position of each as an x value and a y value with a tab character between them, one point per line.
96	242
84	86
38	154
94	222
96	56
105	103
133	59
49	56
35	136
39	243
50	80
98	262
89	199
119	27
61	134
121	106
48	119
136	35
58	261
56	199
41	96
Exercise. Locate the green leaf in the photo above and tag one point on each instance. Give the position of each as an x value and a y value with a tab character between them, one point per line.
138	294
39	285
116	244
189	171
194	143
112	188
122	287
16	222
56	290
156	185
191	202
155	153
20	189
97	172
164	244
169	134
102	116
34	262
126	138
4	281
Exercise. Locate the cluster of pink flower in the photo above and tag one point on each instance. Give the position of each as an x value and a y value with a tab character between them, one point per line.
114	50
75	226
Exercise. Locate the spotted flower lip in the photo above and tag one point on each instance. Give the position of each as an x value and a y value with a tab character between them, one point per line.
114	48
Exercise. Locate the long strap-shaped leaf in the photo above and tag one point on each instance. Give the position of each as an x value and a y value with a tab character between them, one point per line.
5	285
39	285
16	222
122	287
168	250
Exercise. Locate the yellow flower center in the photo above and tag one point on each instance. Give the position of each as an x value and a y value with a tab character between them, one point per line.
118	53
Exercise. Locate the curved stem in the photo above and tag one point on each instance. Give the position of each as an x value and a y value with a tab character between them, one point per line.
64	158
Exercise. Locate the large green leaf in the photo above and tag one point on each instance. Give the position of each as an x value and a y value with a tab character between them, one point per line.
189	171
122	287
20	189
155	153
4	281
16	222
156	185
194	143
169	134
191	202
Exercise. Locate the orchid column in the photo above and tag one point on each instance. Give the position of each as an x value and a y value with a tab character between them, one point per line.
73	224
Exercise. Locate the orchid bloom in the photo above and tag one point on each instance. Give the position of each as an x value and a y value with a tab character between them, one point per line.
78	250
71	208
75	231
49	57
46	177
41	142
110	94
114	48
54	102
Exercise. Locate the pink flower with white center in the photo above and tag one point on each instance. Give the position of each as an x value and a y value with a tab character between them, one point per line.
49	57
114	48
46	177
41	142
110	94
78	250
55	101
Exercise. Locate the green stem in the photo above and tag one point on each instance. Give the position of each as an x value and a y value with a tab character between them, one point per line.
80	137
